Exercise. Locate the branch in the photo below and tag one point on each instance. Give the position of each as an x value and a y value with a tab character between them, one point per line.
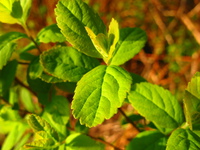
128	120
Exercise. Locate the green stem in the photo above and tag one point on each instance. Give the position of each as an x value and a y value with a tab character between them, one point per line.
30	37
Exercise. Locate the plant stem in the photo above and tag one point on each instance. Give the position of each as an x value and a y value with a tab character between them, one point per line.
106	143
128	120
25	86
30	37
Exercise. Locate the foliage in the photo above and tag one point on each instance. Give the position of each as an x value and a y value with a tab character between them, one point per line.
93	65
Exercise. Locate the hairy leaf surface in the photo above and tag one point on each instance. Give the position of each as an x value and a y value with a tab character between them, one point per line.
51	34
72	17
131	41
99	93
77	141
148	140
192	102
67	63
183	139
157	105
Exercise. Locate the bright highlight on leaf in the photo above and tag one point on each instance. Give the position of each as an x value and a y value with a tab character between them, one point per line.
99	93
157	105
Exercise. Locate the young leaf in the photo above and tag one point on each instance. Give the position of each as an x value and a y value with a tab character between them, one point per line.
51	34
7	75
67	63
183	139
157	105
192	102
113	35
77	141
148	140
6	11
72	17
38	124
26	5
7	47
99	93
14	11
14	136
130	43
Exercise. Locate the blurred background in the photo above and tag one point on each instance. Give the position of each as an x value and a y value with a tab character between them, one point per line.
171	55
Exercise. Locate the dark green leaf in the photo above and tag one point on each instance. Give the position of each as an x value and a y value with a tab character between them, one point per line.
7	75
182	139
50	34
77	141
99	93
157	105
72	17
16	10
67	63
131	41
148	140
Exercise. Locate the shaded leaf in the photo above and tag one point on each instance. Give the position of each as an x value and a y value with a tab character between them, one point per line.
7	75
148	140
167	112
72	17
99	93
82	142
7	47
67	63
50	34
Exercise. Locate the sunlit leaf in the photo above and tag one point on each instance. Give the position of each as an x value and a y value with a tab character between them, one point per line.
157	105
99	93
183	139
131	41
72	17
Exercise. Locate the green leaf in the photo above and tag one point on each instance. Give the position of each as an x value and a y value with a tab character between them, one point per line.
182	139
192	102
7	75
35	83
99	93
7	47
51	34
130	43
67	63
57	113
26	5
72	17
66	86
14	136
77	141
167	112
9	118
38	124
14	11
26	99
148	140
6	9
